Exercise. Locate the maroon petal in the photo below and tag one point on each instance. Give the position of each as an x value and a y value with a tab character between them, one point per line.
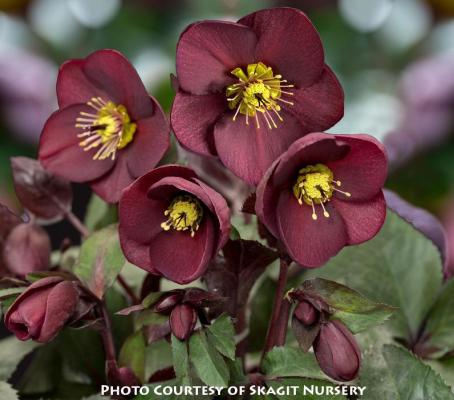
309	150
107	72
180	257
208	51
321	105
193	118
110	186
61	304
249	151
363	170
151	141
137	209
310	243
60	152
222	212
289	43
363	220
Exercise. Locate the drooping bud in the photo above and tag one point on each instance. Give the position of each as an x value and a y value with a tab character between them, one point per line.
182	321
27	249
167	302
306	313
337	351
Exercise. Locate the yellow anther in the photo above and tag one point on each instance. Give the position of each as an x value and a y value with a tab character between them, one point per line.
184	213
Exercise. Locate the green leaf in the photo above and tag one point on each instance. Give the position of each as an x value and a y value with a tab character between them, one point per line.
412	379
300	383
11	292
291	362
99	214
352	308
158	356
180	359
400	267
132	354
237	375
208	363
12	351
440	323
222	335
100	260
7	392
151	298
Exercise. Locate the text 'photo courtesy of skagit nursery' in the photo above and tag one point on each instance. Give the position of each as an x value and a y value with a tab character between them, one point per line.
231	199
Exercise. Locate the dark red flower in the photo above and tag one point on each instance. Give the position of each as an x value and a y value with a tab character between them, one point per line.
337	351
324	193
172	224
108	129
182	321
306	313
247	90
27	249
43	309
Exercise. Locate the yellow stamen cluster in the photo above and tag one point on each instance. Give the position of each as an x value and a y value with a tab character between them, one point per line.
184	213
109	126
315	185
258	92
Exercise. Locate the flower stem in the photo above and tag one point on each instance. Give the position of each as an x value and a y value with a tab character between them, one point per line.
108	342
128	290
77	223
278	298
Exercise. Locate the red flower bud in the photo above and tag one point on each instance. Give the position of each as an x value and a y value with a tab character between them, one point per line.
43	309
167	302
182	321
306	313
27	249
337	351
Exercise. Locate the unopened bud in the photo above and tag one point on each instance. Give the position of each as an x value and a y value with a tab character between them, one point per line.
337	351
306	313
167	302
182	321
27	249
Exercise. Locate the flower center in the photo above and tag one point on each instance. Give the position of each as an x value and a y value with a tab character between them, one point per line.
185	212
258	92
315	185
108	127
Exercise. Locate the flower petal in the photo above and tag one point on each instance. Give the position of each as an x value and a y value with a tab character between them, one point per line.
193	118
249	151
363	170
151	142
180	257
60	152
61	304
311	149
321	105
310	243
289	43
110	186
207	51
363	220
136	209
104	73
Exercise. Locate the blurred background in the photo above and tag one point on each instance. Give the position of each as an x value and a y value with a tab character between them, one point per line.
394	58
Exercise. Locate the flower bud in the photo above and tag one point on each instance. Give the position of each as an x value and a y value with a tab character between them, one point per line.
306	313
182	321
27	249
337	351
167	302
43	309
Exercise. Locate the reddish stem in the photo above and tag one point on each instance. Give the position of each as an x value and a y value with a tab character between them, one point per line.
278	298
109	345
134	299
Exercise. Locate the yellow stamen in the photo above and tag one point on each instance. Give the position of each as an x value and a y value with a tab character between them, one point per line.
257	92
184	213
110	127
315	186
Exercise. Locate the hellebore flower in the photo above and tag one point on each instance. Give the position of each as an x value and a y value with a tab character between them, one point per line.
172	224
182	321
306	313
43	309
337	351
27	249
324	193
247	90
108	131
